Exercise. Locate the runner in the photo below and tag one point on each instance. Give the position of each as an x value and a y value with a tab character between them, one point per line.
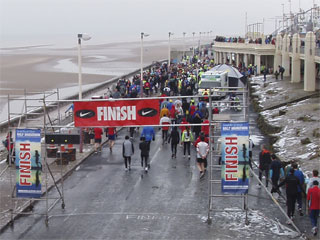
111	136
186	138
148	134
175	139
165	121
206	139
127	152
202	152
144	147
97	139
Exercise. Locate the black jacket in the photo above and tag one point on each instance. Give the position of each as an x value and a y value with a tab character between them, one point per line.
144	147
174	137
292	183
276	169
264	160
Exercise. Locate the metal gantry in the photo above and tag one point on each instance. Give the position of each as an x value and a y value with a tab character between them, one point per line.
214	168
34	115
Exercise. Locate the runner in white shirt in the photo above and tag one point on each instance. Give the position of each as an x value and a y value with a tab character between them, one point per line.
202	153
165	121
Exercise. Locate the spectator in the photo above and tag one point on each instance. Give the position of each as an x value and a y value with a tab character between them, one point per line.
313	198
281	71
315	177
264	163
300	176
276	171
292	183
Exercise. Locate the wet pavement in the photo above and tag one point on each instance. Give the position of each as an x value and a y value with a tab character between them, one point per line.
103	201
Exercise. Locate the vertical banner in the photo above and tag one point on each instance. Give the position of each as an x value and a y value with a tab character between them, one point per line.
28	163
235	157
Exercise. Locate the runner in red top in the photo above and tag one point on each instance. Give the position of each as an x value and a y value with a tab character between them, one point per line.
111	136
97	139
205	128
314	205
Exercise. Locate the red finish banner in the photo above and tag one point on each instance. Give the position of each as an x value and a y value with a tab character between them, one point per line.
116	113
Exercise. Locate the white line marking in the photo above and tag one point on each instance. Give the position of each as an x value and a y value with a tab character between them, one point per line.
69	215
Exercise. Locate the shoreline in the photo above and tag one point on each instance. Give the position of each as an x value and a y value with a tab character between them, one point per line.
46	69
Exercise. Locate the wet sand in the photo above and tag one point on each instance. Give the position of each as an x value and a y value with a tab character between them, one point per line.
34	69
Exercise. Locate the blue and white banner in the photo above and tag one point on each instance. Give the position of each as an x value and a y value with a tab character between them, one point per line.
235	157
28	163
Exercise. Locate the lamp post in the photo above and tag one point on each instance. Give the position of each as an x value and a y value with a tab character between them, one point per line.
282	16
193	43
141	61
169	51
199	48
84	37
184	44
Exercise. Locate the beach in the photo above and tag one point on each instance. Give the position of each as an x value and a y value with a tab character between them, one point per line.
43	68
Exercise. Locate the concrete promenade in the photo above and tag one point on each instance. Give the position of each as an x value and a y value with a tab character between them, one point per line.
5	189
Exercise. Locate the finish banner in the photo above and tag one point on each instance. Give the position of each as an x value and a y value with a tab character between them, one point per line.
116	113
235	157
28	163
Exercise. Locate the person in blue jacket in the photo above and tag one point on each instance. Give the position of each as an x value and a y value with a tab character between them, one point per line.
299	175
148	134
276	172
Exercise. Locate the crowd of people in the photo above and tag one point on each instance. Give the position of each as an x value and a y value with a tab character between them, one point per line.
181	79
267	40
295	184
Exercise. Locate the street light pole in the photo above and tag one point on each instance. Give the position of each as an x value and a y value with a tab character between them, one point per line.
80	68
84	37
169	51
193	43
184	44
141	65
199	48
282	16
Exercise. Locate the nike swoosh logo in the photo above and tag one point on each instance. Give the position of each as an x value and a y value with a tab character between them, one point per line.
147	112
84	114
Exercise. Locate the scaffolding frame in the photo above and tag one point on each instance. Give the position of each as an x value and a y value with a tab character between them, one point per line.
29	113
244	108
232	104
215	154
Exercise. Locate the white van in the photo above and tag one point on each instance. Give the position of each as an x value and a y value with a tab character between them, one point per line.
215	80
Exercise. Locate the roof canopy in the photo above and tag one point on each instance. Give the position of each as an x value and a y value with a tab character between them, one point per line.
232	71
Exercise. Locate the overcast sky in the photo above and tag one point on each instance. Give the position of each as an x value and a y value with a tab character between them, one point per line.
50	21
